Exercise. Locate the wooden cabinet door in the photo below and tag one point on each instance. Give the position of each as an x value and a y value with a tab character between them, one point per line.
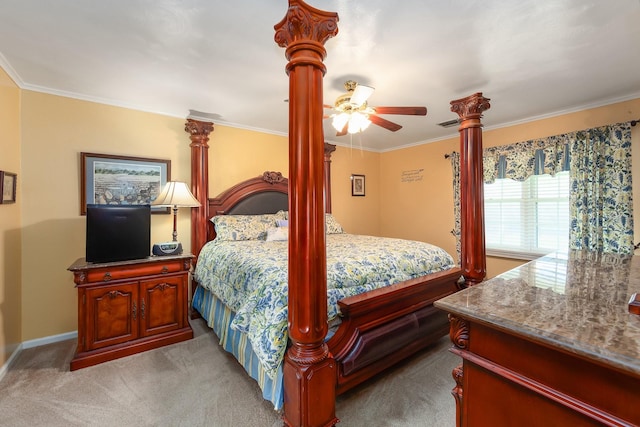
162	304
112	315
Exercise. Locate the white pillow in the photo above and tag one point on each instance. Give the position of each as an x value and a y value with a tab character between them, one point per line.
332	226
277	233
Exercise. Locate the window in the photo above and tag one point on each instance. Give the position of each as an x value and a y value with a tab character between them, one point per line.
527	219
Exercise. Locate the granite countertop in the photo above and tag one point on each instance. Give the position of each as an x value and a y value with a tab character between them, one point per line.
576	301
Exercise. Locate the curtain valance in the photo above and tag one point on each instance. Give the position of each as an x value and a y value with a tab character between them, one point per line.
521	160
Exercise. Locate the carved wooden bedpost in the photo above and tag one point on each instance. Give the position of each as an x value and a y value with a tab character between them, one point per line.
199	135
328	149
472	240
309	370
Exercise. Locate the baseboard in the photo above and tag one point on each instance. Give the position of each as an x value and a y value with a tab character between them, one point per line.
50	339
35	343
5	367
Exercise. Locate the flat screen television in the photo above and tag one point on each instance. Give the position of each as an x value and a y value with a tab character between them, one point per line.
118	232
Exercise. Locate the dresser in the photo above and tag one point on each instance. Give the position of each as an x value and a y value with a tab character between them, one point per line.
550	343
127	307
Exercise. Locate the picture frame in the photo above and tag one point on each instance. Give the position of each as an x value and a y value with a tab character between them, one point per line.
357	185
121	180
8	185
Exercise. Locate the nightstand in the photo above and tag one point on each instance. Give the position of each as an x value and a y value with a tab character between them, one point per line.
127	307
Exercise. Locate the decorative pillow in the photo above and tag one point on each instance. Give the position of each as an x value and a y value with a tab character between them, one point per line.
281	214
244	227
277	233
331	225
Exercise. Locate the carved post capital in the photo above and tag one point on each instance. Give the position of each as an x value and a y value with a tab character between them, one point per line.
304	23
198	130
303	32
470	107
328	149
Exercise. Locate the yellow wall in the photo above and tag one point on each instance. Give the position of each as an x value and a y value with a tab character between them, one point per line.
10	223
238	154
422	209
418	194
356	214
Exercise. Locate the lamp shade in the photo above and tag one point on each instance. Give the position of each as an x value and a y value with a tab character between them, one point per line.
176	194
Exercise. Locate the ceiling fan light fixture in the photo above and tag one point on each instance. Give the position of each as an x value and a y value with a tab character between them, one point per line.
339	121
353	121
358	122
352	114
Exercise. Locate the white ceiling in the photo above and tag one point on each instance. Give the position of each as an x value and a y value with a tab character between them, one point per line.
532	58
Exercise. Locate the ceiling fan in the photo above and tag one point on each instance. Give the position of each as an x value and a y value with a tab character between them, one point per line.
353	114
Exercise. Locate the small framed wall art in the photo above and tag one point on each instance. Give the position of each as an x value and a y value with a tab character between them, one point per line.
357	185
8	186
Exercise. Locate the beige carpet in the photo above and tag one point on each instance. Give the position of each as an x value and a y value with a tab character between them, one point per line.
196	383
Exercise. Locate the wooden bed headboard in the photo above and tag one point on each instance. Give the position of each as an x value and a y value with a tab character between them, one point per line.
268	193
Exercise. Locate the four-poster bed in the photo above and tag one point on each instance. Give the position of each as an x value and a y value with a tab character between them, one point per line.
378	328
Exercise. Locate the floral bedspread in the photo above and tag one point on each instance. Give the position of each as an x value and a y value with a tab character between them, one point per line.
250	276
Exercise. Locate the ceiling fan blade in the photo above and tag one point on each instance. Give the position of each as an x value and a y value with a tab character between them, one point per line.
384	123
360	95
409	111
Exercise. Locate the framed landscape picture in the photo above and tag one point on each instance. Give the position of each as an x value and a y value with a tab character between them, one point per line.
122	180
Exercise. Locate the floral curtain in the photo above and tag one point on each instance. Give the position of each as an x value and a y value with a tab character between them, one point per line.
455	166
601	202
599	161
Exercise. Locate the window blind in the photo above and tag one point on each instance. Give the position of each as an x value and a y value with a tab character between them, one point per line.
527	219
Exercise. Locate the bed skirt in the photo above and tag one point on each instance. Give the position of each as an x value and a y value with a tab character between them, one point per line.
219	317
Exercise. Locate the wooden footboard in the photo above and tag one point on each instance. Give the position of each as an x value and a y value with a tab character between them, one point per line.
382	327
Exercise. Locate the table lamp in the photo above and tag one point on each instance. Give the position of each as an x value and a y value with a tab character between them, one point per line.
175	194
